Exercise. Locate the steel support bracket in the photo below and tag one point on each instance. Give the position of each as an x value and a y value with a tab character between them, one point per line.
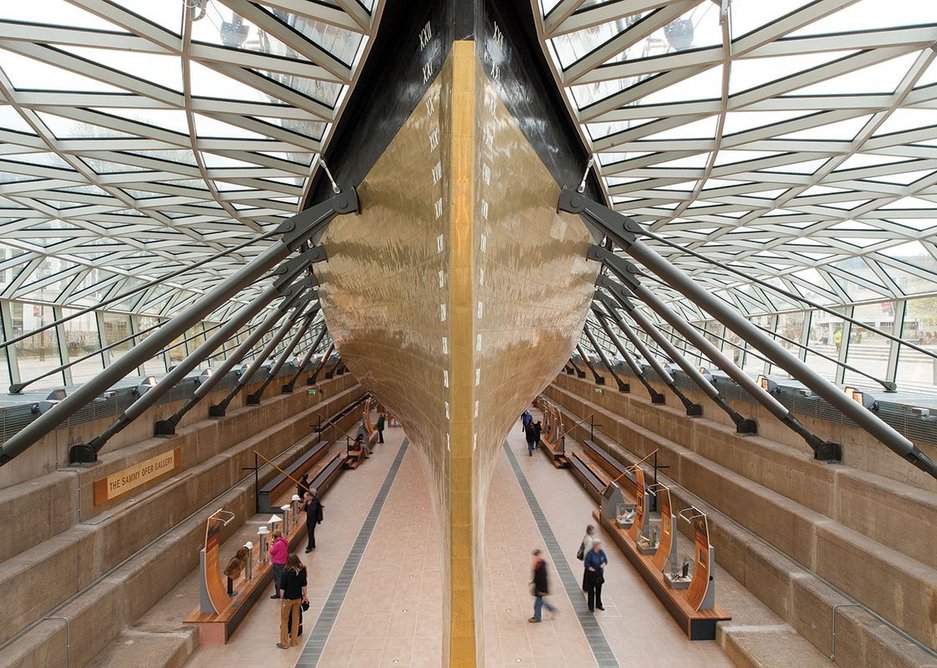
598	218
309	225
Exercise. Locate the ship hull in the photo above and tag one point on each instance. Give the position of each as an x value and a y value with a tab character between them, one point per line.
456	295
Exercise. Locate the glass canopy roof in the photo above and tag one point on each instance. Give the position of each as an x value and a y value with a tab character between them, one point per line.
790	141
137	137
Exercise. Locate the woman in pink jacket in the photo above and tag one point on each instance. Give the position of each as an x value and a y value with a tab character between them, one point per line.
279	551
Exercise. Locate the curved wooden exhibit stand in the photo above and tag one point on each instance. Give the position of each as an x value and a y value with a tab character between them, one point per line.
218	614
693	607
553	438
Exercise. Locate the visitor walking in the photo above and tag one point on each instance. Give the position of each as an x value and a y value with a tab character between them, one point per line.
586	545
380	427
594	575
532	434
313	509
294	597
526	419
540	588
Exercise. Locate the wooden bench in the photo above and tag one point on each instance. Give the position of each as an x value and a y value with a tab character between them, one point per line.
324	479
282	483
608	462
590	481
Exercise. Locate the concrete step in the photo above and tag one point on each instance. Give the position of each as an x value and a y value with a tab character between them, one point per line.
142	648
887	511
76	560
812	539
778	646
49	504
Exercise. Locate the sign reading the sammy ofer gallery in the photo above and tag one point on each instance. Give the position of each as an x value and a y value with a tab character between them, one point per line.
128	479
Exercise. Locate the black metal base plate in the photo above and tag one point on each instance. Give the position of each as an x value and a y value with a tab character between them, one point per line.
747	426
829	452
216	411
164	428
253	400
82	454
694	410
658	398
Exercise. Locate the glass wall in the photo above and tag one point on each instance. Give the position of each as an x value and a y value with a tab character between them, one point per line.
37	354
82	341
917	371
868	351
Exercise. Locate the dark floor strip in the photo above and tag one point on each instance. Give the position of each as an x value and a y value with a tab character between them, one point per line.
312	652
604	656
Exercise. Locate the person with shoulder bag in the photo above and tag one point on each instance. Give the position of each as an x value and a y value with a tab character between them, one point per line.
593	576
586	545
293	583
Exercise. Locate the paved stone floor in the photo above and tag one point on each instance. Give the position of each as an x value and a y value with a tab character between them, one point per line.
392	613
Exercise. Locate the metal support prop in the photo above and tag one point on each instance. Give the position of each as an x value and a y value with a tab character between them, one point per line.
742	425
294	233
579	372
693	410
167	427
315	374
623	231
288	388
822	449
599	380
655	396
622	385
288	272
218	410
254	398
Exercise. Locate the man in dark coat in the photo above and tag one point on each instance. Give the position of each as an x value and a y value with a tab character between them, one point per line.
313	509
303	486
532	436
380	428
540	588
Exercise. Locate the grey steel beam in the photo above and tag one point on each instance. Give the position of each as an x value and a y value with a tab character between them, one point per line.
168	426
742	425
288	387
692	409
253	399
622	385
623	231
579	372
628	273
599	380
315	374
289	271
294	234
219	409
655	396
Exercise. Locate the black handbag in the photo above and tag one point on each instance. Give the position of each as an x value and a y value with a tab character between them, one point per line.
580	555
305	606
